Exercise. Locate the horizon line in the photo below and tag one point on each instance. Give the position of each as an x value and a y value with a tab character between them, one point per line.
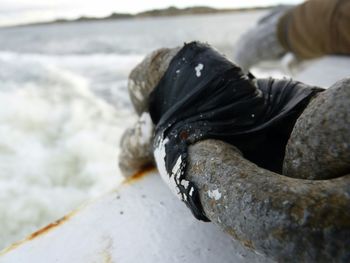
137	15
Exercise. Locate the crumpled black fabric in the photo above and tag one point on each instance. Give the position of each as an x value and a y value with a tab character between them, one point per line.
218	101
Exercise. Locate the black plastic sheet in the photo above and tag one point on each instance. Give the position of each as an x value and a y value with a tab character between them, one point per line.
203	95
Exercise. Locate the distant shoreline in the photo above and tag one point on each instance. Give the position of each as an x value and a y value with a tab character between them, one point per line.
166	12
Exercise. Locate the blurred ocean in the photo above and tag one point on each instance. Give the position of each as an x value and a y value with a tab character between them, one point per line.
64	105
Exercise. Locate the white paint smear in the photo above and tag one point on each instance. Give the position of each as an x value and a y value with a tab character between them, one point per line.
199	69
159	155
214	194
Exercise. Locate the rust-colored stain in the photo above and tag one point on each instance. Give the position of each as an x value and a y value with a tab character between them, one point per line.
137	176
40	232
12	247
106	252
247	243
184	135
49	227
107	258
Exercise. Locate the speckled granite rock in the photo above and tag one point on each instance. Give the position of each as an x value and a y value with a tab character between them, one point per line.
319	147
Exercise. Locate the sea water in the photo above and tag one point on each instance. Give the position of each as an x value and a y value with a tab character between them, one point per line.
64	105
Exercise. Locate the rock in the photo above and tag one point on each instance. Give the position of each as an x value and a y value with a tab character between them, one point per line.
286	219
319	146
136	147
282	218
136	152
146	75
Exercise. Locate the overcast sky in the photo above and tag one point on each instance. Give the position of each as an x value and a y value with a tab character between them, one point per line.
24	11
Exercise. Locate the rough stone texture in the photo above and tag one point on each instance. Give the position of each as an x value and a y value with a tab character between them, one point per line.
286	219
319	146
282	218
146	75
135	152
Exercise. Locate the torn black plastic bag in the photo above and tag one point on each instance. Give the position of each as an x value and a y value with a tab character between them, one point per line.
202	95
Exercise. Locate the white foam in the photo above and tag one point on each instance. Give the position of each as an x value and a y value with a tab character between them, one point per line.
58	144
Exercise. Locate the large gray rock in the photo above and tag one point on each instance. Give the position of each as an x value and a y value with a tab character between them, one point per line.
319	146
286	219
